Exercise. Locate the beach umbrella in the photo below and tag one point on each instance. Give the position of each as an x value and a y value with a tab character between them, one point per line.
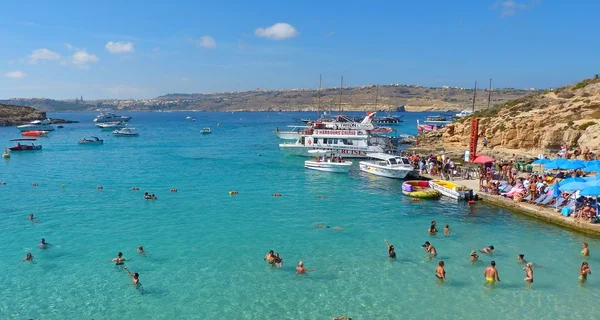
556	163
480	158
542	161
555	191
574	186
572	165
592	166
592	178
593	191
574	179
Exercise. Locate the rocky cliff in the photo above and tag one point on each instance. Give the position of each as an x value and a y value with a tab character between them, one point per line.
536	124
11	115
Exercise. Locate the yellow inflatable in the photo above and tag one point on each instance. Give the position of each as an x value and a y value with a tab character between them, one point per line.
418	189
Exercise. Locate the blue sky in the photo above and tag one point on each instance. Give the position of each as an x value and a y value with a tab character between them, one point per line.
142	49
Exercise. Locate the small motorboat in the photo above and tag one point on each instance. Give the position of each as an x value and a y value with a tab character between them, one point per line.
386	165
125	132
34	133
188	118
451	189
205	131
45	125
419	189
6	154
91	140
326	161
110	125
25	147
60	126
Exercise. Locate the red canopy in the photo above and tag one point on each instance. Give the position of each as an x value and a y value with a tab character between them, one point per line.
480	158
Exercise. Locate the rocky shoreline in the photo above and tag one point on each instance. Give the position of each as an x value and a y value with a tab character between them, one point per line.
11	115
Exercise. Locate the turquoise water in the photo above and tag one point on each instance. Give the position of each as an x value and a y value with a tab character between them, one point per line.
206	248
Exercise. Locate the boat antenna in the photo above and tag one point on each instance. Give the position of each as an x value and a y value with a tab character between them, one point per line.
376	96
474	94
341	89
319	97
490	94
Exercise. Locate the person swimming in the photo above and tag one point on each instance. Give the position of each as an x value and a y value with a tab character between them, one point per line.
586	251
301	270
141	250
432	228
28	257
429	248
270	257
491	273
119	260
147	196
32	218
135	277
278	260
153	197
440	273
391	251
43	244
447	230
474	256
521	258
584	271
487	250
528	272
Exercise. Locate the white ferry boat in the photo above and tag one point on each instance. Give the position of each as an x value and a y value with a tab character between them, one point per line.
387	165
110	117
347	143
327	162
37	125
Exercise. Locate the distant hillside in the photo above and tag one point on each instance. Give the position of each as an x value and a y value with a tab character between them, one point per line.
366	98
535	124
15	115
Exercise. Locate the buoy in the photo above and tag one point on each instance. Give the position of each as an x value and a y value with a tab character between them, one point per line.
6	154
99	187
231	193
2	183
218	124
63	185
416	199
34	184
471	202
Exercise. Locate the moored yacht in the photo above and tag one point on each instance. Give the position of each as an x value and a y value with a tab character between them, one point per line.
110	117
326	161
126	132
386	165
348	143
110	125
37	125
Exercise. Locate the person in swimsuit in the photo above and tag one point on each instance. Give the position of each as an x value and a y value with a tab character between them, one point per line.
135	277
429	248
278	260
147	196
270	257
586	251
32	218
432	228
29	257
141	250
584	271
521	258
487	250
528	272
491	273
391	251
300	268
119	260
44	244
474	256
440	273
447	230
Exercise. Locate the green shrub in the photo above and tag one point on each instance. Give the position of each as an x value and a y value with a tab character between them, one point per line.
580	85
584	126
570	123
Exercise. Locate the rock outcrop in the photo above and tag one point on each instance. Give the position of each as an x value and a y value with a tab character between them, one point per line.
11	115
537	124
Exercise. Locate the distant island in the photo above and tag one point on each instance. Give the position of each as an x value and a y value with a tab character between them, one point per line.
364	98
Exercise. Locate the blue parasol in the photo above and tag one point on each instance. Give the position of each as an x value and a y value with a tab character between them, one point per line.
574	186
542	161
572	165
556	191
557	163
574	179
590	191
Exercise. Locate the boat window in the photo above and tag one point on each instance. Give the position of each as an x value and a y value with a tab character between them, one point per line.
405	161
392	161
335	141
317	141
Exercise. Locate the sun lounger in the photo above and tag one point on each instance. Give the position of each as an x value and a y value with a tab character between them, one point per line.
547	200
527	198
559	202
540	198
513	192
505	188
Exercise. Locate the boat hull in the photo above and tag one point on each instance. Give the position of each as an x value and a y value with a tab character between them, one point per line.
338	167
91	142
449	189
25	148
125	134
301	150
34	133
34	127
393	172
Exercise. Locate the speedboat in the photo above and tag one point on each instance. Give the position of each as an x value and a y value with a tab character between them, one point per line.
39	125
110	125
419	189
324	162
126	132
386	165
6	154
91	140
34	133
450	189
23	147
188	118
205	130
110	117
390	120
462	114
438	120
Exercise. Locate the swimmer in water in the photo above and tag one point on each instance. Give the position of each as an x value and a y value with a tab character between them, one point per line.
429	248
147	196
487	250
278	260
135	277
521	258
153	197
528	272
301	270
432	228
474	256
29	257
270	257
337	228
440	273
32	218
447	230
43	244
119	260
141	250
584	271
322	226
586	251
491	273
391	251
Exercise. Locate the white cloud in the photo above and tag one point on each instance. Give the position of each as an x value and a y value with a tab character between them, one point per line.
119	47
69	46
511	7
15	74
82	58
43	54
278	31
207	42
185	79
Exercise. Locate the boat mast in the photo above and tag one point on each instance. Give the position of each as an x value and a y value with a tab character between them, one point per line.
474	94
489	94
319	98
376	96
341	89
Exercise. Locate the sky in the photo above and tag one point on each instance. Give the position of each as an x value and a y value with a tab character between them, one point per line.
143	49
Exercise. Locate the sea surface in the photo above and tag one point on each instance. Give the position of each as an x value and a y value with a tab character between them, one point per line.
206	248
